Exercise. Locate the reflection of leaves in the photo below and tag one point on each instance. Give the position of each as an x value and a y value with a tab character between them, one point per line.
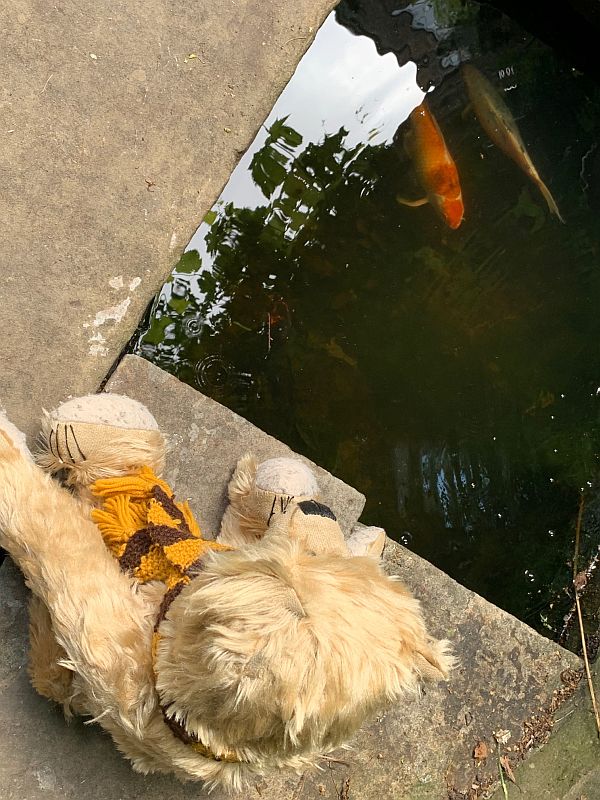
189	262
156	331
525	207
268	165
454	12
207	283
268	169
178	304
280	132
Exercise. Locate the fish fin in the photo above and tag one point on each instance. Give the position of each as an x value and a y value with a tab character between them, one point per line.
404	201
467	110
550	201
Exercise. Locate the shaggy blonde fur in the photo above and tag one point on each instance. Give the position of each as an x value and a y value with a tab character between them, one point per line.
270	652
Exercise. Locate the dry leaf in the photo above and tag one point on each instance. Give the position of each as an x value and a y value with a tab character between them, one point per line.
580	580
507	769
345	790
481	751
502	737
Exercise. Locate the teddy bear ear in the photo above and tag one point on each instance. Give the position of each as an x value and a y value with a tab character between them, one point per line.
242	480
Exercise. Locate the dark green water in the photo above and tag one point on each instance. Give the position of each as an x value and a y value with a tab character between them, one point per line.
453	376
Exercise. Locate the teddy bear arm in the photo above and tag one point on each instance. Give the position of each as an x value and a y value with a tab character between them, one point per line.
67	565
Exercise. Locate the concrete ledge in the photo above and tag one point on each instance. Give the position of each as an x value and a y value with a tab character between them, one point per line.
417	749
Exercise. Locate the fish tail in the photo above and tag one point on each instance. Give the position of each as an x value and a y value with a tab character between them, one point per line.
550	201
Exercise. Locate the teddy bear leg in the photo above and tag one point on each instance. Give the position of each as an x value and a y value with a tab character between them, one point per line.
253	492
366	540
48	677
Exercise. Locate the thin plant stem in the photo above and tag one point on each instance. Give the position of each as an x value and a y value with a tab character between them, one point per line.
501	771
580	617
577	536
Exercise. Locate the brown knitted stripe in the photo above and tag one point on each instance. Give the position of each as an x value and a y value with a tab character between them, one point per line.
177	728
164	536
196	566
166	602
169	506
192	739
136	548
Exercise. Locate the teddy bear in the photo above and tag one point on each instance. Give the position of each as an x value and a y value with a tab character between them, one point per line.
215	659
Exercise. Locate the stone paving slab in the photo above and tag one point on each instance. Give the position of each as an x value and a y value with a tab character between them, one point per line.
120	123
568	766
421	748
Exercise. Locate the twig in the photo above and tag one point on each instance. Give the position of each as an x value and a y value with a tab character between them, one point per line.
577	536
332	760
299	787
47	82
269	337
568	714
580	617
345	789
294	39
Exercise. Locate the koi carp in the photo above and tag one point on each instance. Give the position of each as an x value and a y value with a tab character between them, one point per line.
434	166
500	125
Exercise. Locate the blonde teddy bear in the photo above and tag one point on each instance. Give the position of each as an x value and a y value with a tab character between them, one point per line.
212	660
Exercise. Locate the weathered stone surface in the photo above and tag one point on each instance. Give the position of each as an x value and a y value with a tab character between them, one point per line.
568	766
121	122
421	748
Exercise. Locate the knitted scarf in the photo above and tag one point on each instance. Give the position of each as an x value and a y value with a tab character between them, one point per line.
153	537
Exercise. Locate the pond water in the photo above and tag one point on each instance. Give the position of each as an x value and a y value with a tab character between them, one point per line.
451	372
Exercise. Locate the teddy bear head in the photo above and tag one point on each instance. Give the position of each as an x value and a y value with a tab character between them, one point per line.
274	654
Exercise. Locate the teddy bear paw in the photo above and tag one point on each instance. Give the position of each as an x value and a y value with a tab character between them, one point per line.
366	540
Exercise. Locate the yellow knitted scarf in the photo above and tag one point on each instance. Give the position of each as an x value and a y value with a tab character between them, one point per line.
153	537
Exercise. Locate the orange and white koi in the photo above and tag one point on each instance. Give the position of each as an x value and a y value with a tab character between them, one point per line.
435	167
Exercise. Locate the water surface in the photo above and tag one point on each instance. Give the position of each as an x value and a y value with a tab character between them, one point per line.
453	376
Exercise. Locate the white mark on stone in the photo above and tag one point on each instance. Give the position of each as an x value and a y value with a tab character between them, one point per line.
98	350
173	241
134	284
194	432
114	313
116	282
97	344
46	779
